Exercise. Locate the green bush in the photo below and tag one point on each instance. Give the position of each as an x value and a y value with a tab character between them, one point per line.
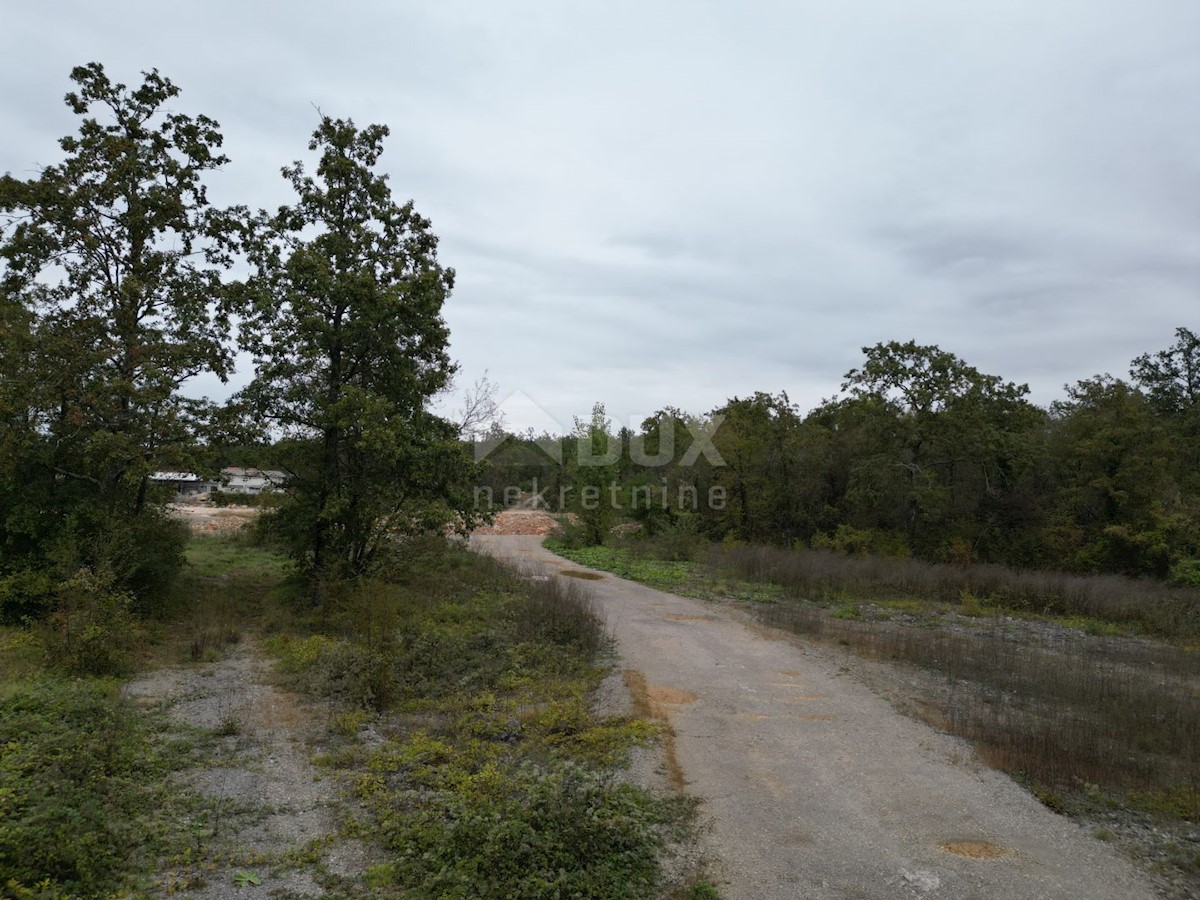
572	533
862	542
76	780
1186	573
92	631
530	833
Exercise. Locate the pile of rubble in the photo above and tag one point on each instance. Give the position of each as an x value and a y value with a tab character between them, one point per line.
520	522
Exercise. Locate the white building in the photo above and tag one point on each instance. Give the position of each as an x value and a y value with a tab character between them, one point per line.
185	483
237	480
233	480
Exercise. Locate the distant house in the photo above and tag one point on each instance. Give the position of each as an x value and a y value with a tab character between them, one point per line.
237	480
185	484
233	480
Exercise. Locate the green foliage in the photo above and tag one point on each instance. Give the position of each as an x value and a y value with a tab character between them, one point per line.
349	343
502	786
110	272
92	631
79	781
531	832
594	476
1186	573
402	648
861	541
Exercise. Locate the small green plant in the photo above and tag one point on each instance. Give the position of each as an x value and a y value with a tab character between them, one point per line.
243	878
93	630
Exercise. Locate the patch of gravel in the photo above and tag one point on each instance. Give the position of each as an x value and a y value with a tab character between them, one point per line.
271	803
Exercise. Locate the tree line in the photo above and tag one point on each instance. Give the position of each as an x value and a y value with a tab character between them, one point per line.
121	281
919	454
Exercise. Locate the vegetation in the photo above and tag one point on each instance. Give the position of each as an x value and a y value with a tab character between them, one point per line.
921	456
345	325
496	779
111	300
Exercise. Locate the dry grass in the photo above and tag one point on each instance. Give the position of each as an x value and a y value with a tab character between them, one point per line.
824	575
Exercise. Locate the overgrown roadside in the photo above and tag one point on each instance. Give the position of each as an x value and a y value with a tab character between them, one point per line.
449	730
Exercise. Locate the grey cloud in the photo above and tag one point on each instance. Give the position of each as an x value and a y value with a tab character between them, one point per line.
678	202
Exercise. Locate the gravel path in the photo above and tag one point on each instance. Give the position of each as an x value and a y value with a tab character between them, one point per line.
278	804
816	786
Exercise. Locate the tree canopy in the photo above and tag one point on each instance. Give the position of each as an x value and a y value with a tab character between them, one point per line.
344	321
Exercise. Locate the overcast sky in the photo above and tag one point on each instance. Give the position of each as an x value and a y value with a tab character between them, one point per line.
661	203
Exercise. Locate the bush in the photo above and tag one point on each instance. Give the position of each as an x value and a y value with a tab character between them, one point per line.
136	556
1186	573
680	541
76	775
531	833
572	533
92	631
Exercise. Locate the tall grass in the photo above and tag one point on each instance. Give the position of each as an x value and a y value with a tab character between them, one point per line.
824	575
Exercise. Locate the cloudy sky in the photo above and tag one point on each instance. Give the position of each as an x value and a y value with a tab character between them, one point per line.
675	202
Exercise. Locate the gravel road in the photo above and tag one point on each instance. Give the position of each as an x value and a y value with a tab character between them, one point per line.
815	785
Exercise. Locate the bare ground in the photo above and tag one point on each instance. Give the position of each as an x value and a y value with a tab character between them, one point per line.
203	519
276	816
815	786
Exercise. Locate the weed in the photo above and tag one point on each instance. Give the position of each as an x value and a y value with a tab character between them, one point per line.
500	781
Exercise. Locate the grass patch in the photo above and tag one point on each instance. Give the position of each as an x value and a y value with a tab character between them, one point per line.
233	558
666	575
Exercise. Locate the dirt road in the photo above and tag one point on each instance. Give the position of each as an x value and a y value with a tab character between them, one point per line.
816	787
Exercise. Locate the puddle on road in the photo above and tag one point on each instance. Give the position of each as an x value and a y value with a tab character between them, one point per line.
973	849
680	617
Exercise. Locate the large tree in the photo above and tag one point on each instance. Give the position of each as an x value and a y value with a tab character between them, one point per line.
953	445
111	264
350	345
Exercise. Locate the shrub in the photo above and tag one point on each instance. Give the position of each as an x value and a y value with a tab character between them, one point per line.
92	631
532	833
76	775
572	533
1186	573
